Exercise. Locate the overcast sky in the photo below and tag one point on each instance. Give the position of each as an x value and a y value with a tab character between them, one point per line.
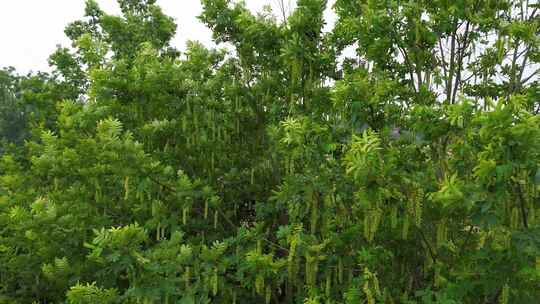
31	29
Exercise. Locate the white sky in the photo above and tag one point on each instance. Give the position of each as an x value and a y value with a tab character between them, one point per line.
31	29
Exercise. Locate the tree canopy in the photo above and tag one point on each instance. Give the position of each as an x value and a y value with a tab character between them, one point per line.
392	159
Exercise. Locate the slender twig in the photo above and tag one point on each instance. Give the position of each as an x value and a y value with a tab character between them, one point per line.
449	78
461	54
529	77
431	252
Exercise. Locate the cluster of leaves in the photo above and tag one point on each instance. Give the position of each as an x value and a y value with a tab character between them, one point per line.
284	171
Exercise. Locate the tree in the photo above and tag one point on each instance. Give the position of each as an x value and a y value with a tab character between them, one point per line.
12	120
282	171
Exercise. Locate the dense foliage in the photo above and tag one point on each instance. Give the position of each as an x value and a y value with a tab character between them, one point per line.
281	170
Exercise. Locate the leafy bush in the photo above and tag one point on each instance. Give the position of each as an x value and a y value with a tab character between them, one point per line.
286	171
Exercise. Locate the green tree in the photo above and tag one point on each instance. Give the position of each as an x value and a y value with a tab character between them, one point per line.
284	170
12	121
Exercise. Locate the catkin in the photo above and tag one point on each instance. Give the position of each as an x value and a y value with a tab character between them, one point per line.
393	217
308	270
405	229
414	206
376	285
98	191
126	188
187	276
184	215
369	295
314	214
259	284
328	286
291	166
377	214
505	294
514	218
366	228
418	207
215	282
213	126
314	271
268	294
442	232
371	224
411	205
290	259
312	267
340	271
481	241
